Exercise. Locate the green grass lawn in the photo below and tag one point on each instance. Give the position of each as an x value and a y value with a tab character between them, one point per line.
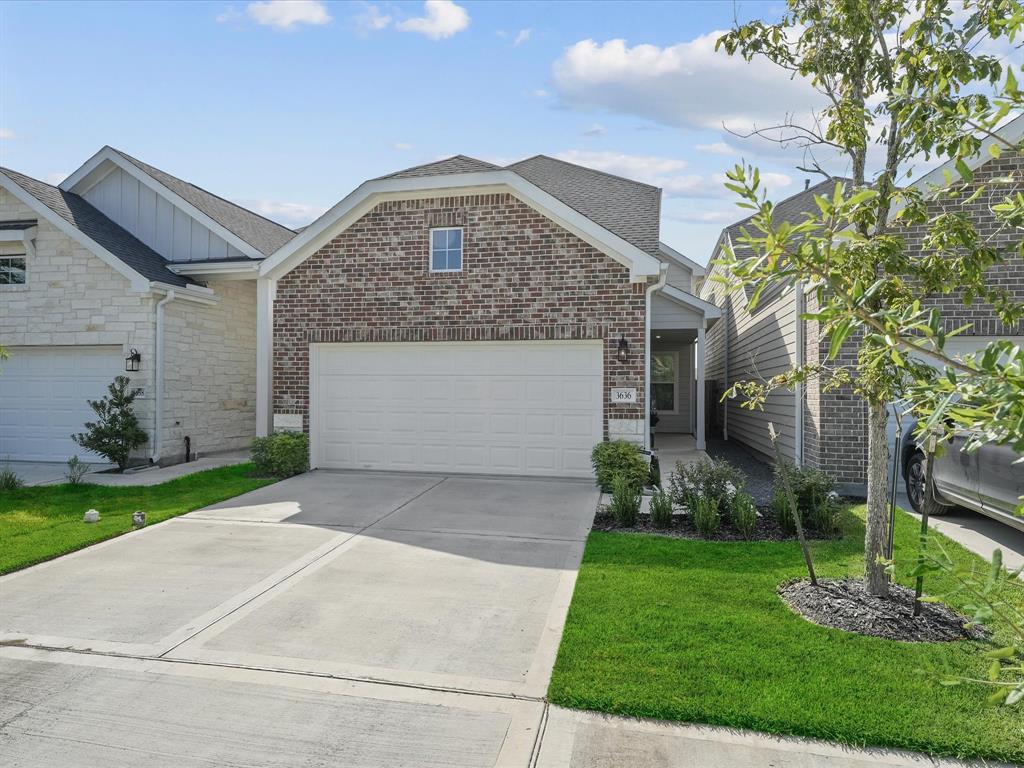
42	522
694	631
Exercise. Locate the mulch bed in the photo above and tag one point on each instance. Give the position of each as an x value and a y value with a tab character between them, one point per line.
845	604
682	528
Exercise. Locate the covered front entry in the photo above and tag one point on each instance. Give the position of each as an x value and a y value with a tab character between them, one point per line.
43	398
510	408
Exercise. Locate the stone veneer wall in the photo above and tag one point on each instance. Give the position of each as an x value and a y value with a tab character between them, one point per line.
524	278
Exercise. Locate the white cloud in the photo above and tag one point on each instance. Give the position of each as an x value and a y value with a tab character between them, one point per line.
371	20
285	14
717	148
401	146
540	93
7	134
522	36
707	217
441	19
289	214
665	172
55	178
688	84
595	130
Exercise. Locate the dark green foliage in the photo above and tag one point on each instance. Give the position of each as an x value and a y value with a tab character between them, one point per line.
744	514
715	479
619	457
661	509
813	489
654	479
281	454
706	517
625	502
9	479
116	431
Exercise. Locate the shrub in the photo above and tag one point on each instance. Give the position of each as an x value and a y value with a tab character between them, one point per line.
76	470
625	504
706	518
116	431
9	480
744	514
281	454
715	479
619	457
813	490
661	509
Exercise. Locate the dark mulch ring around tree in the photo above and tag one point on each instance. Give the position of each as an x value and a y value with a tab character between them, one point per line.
845	604
682	527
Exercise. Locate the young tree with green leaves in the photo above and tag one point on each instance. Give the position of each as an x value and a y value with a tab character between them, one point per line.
900	81
116	431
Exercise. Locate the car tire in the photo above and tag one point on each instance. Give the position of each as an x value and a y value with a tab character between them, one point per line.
922	499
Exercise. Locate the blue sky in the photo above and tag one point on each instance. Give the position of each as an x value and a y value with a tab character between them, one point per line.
285	107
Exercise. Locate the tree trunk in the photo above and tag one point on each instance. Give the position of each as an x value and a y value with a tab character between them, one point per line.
876	580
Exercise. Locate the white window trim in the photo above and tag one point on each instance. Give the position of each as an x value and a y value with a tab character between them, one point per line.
24	257
675	382
430	248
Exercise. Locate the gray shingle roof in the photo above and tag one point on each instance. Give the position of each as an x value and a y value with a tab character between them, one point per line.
261	233
80	214
456	164
630	209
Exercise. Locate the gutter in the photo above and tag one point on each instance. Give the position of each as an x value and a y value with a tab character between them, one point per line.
158	373
657	286
799	303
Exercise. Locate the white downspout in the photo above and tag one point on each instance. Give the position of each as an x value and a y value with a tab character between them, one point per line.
656	286
801	359
158	373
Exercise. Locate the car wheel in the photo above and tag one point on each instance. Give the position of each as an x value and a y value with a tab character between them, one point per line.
922	499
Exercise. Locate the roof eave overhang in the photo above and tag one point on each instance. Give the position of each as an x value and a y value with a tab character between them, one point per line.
360	201
217	270
97	167
685	261
710	312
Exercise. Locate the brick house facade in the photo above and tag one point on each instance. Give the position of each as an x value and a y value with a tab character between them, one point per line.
524	279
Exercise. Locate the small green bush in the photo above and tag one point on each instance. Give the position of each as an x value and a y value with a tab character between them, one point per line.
706	518
9	480
282	454
744	514
661	509
625	503
619	457
708	478
116	431
77	469
813	491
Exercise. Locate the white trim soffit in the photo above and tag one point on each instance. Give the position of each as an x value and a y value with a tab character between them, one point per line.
361	200
684	261
217	270
709	310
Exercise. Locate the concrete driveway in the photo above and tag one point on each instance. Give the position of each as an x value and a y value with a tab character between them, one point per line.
335	618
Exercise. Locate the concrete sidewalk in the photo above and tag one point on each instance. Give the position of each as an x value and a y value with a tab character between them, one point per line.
54	473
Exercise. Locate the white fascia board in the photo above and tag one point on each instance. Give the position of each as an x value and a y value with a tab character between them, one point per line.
196	293
18	235
350	209
709	310
217	270
138	282
94	169
684	261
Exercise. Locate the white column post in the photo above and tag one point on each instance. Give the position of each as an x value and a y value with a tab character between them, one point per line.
265	294
700	387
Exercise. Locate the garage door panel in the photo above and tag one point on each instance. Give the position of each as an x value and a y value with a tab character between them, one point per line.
514	408
43	398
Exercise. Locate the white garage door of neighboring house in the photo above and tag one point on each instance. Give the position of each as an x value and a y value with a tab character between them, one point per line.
43	393
517	408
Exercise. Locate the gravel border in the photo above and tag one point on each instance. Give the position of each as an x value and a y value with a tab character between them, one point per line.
845	604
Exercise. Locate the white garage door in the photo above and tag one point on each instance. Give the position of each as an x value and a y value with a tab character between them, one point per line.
43	393
519	408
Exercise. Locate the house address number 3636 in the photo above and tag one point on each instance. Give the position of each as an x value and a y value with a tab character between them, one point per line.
624	396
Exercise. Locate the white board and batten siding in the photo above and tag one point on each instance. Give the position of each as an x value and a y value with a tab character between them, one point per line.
516	408
158	223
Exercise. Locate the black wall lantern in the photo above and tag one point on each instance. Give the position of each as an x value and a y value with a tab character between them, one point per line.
131	363
623	352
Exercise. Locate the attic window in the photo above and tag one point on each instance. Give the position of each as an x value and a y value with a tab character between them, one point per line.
446	249
12	270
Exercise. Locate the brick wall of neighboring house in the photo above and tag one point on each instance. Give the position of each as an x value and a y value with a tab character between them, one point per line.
524	278
210	372
841	439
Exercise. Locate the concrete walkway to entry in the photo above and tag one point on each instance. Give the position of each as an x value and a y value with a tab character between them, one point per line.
345	619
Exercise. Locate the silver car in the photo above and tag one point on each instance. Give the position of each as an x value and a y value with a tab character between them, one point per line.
986	480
